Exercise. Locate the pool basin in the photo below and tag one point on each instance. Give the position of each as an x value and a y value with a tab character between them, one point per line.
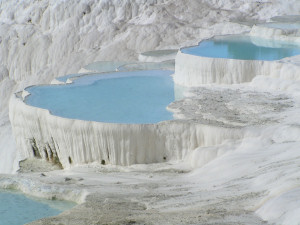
16	208
120	97
233	59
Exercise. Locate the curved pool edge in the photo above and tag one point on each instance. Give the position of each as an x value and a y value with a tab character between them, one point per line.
72	142
142	117
18	208
32	185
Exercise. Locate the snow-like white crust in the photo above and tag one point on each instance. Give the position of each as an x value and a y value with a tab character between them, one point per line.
41	40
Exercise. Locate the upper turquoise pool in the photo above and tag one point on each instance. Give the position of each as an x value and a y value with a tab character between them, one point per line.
139	97
244	48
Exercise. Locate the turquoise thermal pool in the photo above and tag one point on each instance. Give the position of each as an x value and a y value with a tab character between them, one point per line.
139	97
17	209
244	48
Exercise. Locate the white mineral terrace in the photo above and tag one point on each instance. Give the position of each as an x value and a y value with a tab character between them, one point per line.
76	142
72	142
193	70
207	118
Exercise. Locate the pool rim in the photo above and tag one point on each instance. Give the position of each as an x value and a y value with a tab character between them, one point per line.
23	94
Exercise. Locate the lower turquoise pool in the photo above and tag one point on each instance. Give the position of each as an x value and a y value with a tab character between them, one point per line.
17	209
139	97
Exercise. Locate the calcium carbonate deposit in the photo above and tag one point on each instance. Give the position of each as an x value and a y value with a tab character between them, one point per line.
231	153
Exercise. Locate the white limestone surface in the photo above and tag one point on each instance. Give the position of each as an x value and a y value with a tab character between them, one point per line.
41	40
39	133
62	36
277	31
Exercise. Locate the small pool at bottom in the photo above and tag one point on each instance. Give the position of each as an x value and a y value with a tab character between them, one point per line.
139	97
18	209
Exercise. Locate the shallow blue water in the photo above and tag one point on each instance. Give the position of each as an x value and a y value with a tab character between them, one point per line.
105	66
122	97
66	77
17	209
245	48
